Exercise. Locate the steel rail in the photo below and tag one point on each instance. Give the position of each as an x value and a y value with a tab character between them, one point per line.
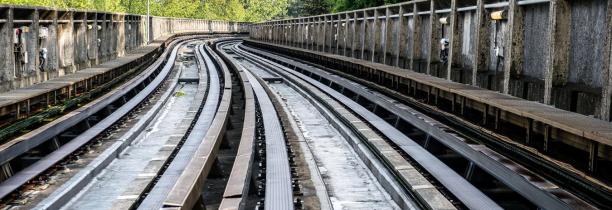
513	180
186	191
279	194
453	182
23	176
14	148
378	163
238	184
76	183
278	189
162	188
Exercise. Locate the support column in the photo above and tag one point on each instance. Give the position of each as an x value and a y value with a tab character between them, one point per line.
301	33
453	40
329	32
513	47
346	34
481	42
434	37
312	29
559	25
363	32
401	36
320	34
354	39
416	34
377	38
386	40
606	96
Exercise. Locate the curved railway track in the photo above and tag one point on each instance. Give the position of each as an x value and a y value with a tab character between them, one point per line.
118	103
529	189
209	125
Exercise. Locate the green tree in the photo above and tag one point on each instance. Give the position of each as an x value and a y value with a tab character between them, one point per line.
259	10
234	10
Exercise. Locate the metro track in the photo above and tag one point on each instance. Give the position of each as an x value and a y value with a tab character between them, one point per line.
165	152
97	122
508	177
77	128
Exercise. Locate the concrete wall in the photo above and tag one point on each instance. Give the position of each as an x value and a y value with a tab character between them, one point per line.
80	39
553	51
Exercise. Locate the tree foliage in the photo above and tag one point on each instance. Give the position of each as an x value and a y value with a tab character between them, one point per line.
235	10
317	7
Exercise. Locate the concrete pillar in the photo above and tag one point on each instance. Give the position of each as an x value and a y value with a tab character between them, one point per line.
337	37
402	34
66	43
356	38
416	34
325	35
92	38
434	37
299	33
375	49
606	96
481	41
294	32
80	39
513	49
121	35
387	38
364	34
333	33
453	39
342	35
6	48
311	33
347	38
304	32
319	32
559	25
52	66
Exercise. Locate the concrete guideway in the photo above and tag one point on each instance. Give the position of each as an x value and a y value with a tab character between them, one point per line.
423	104
122	181
348	182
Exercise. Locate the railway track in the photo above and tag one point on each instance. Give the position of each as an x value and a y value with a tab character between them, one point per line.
214	123
513	185
74	130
